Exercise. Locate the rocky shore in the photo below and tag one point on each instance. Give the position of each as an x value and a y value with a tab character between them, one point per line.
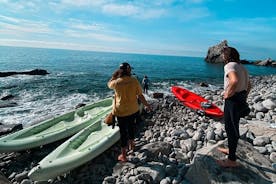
171	147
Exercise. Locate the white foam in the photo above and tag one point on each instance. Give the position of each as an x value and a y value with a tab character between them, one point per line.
30	111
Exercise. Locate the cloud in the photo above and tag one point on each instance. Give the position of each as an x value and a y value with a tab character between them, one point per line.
9	19
96	36
14	25
87	27
80	3
152	13
133	9
122	10
138	11
64	45
21	5
194	13
46	44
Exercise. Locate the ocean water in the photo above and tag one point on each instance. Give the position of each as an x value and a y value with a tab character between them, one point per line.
81	76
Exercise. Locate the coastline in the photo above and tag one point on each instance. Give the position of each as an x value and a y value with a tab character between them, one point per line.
168	140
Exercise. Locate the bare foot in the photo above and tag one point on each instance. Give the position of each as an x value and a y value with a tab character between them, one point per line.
223	150
122	158
227	163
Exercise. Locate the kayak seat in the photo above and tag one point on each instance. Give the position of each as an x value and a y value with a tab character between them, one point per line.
80	113
48	124
78	141
38	129
205	104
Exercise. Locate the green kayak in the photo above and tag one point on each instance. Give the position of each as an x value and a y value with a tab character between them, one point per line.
79	149
56	128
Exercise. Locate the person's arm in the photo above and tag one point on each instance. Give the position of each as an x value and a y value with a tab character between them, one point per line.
144	102
233	81
111	83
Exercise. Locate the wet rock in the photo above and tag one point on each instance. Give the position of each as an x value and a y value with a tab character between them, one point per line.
203	84
80	105
32	72
158	95
6	129
8	97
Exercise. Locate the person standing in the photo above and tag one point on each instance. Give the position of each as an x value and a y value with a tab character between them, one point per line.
236	89
127	89
145	84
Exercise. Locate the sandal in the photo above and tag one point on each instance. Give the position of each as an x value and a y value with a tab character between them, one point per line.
227	163
223	150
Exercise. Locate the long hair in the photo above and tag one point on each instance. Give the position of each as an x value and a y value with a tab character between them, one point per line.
231	55
120	73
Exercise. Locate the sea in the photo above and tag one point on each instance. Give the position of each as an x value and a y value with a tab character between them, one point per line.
81	77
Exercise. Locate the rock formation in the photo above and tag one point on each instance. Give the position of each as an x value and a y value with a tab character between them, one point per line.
214	53
32	72
214	56
266	62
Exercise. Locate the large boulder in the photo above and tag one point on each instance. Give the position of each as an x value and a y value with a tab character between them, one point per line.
255	167
6	129
7	97
214	53
261	128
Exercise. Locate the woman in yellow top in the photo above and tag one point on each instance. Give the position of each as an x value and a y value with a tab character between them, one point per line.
127	89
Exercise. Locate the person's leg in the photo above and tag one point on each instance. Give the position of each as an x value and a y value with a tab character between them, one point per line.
131	130
232	134
144	88
123	138
147	87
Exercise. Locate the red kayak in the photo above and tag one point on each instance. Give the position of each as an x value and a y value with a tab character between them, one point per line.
196	102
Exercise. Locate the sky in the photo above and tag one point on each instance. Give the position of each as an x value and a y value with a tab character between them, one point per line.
162	27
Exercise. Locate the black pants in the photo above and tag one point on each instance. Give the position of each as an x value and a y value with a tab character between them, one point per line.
127	128
231	119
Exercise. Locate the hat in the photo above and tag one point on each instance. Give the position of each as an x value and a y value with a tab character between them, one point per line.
125	66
